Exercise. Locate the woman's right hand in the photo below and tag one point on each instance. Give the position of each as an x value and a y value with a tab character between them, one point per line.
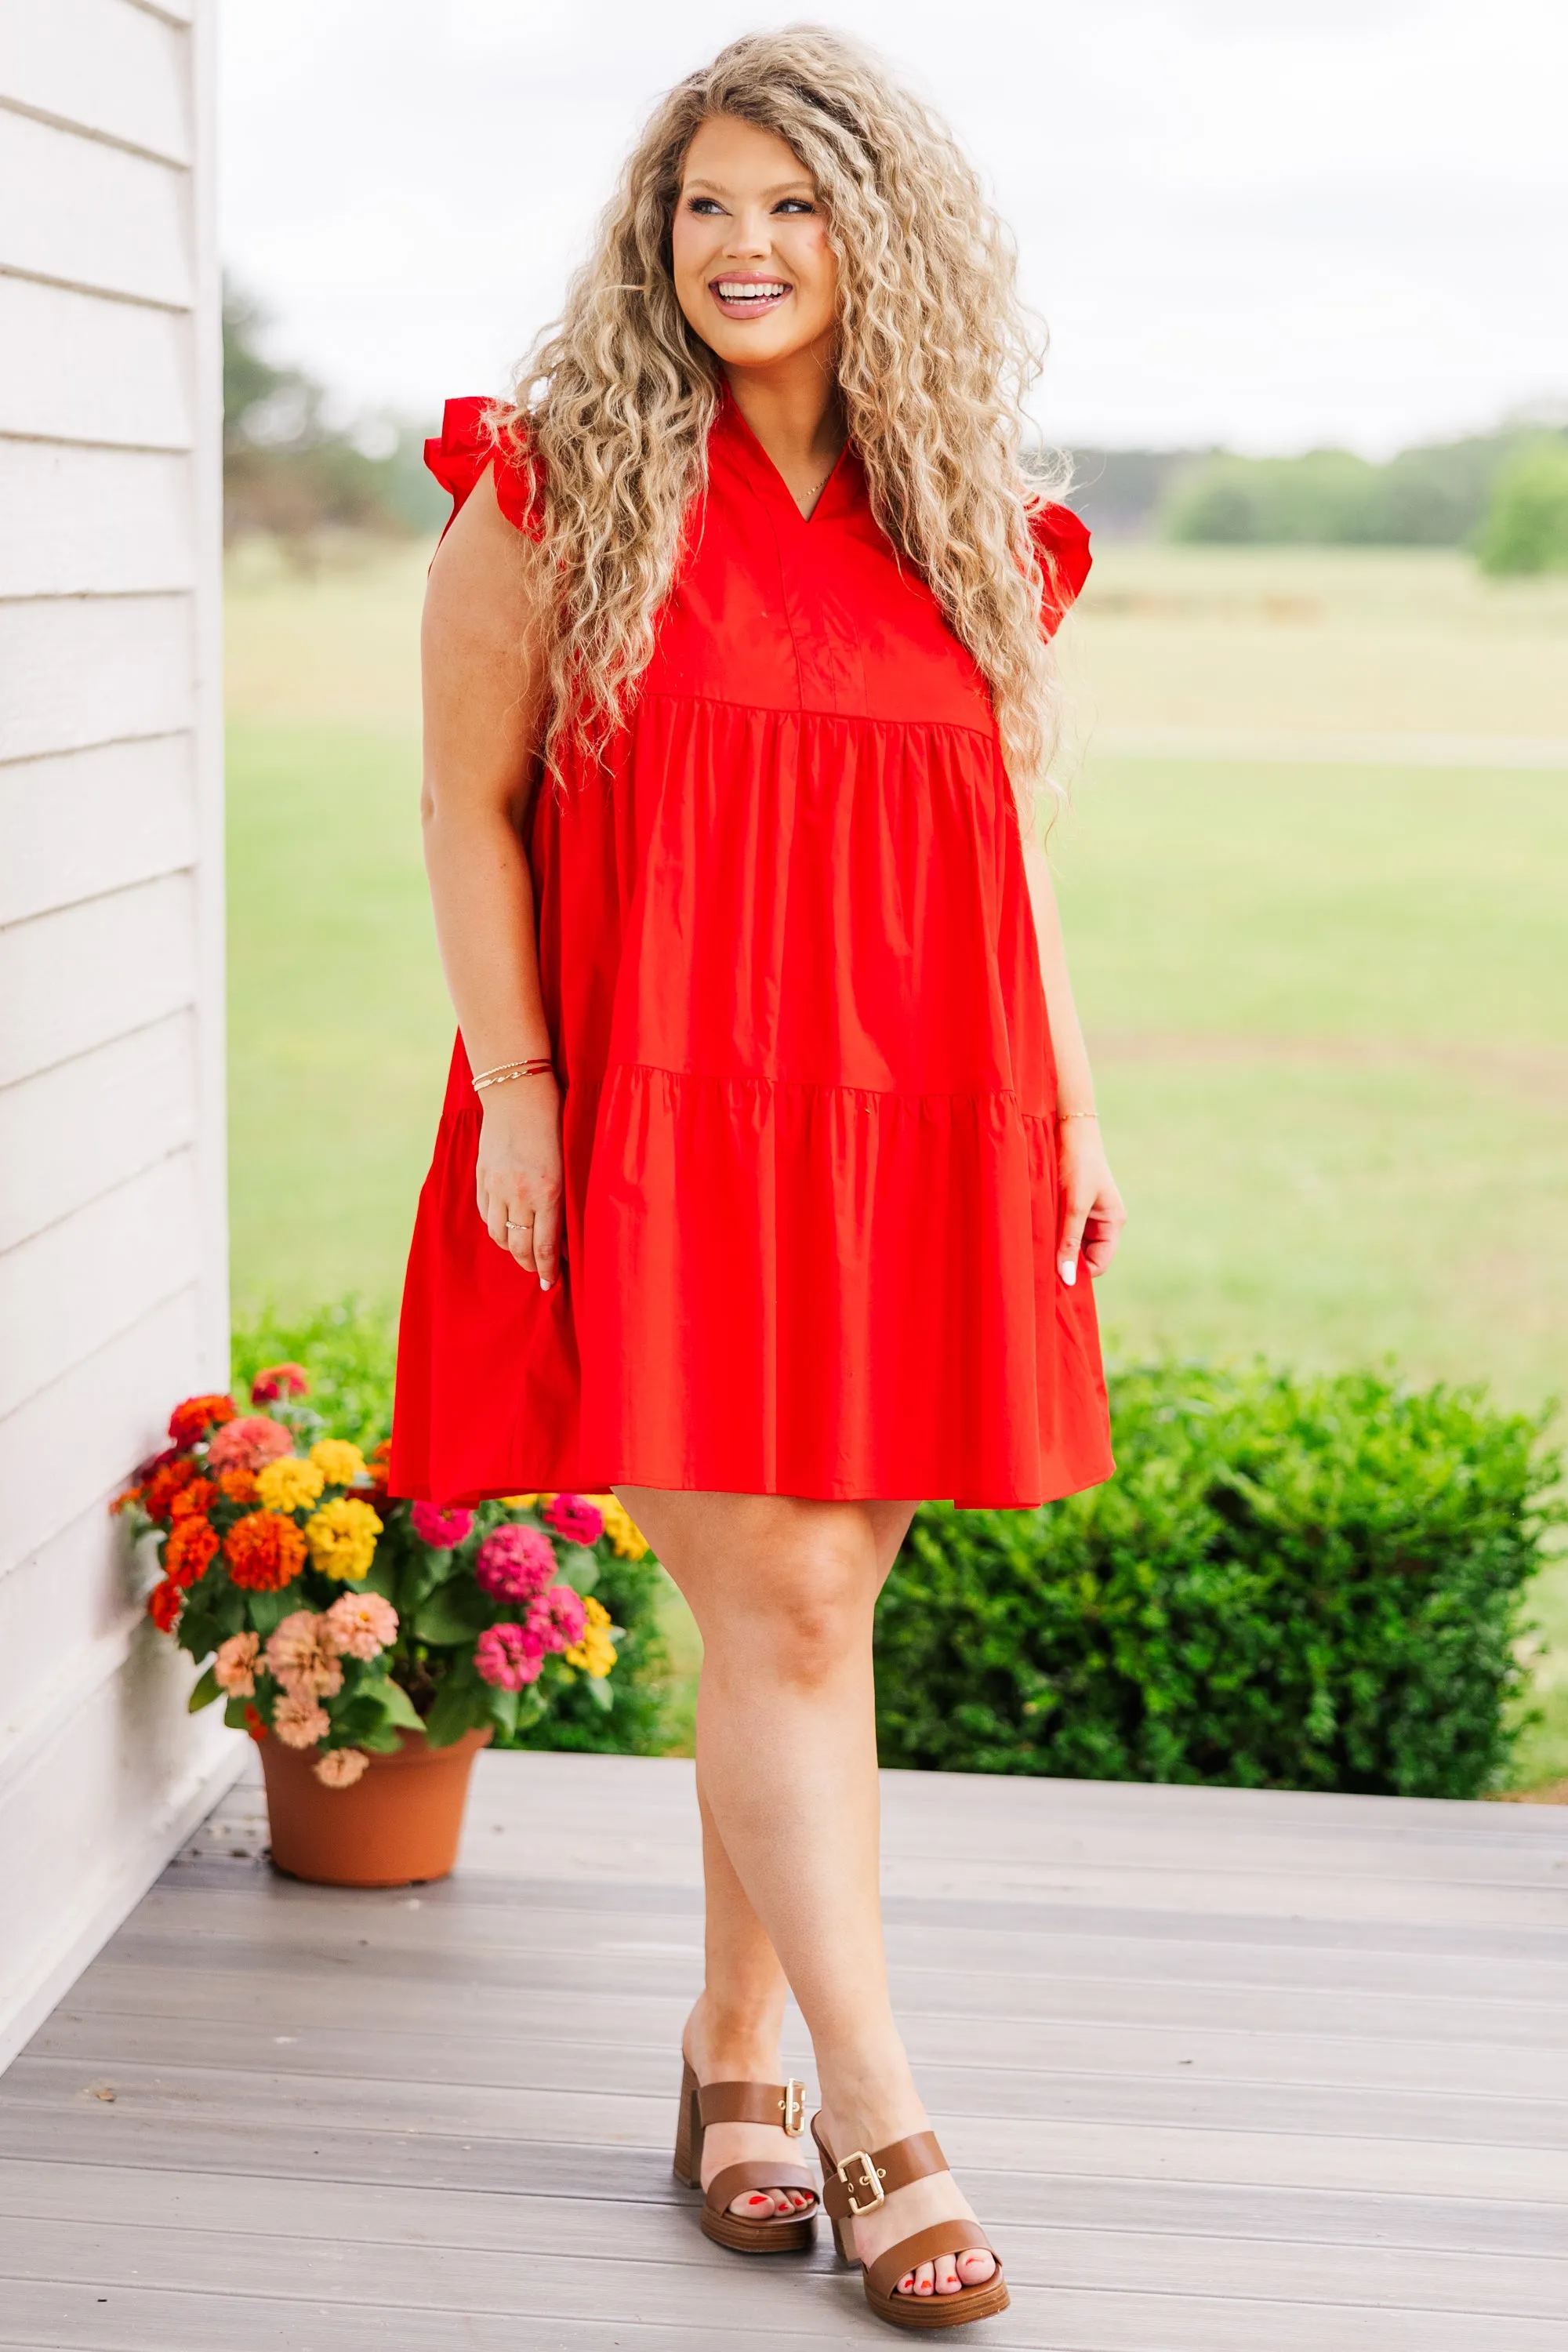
519	1180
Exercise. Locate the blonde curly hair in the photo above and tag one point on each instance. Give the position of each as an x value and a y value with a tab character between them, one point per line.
934	358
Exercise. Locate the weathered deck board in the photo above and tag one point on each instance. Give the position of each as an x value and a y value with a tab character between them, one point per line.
1225	2073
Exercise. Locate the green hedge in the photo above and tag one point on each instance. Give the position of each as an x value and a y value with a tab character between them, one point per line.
1303	1584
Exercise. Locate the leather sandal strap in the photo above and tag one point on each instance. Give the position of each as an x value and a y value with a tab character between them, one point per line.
941	2238
754	2102
847	2189
736	2178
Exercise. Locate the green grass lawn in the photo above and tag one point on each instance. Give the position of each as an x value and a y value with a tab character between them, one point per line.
1328	1002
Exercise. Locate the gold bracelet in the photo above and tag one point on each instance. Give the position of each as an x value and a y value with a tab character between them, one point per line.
1077	1114
535	1068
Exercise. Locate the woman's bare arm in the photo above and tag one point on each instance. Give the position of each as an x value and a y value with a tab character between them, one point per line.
1092	1215
482	716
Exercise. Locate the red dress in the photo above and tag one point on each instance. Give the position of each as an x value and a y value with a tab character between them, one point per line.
809	1131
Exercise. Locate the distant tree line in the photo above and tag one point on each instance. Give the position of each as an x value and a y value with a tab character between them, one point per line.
290	472
1504	495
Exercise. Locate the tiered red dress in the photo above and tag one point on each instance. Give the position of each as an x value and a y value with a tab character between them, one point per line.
791	977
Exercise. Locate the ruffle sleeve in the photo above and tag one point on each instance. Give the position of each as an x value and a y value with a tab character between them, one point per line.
1062	542
469	446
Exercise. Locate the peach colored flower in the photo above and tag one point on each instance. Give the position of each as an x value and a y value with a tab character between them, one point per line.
275	1381
247	1443
360	1624
301	1655
234	1668
340	1767
298	1721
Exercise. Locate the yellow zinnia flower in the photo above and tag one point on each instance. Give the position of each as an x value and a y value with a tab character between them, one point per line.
519	1502
341	1535
595	1653
339	1463
626	1538
289	1484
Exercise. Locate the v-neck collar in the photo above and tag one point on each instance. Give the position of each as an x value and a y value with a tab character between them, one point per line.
837	495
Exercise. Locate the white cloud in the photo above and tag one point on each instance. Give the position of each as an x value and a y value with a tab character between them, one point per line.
1269	224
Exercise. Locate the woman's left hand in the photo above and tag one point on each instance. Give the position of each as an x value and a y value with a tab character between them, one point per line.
1092	1215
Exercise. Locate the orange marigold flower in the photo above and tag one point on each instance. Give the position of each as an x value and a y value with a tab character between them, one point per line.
169	1479
254	1723
265	1552
275	1381
237	1485
123	1501
191	1544
164	1603
190	1421
196	1497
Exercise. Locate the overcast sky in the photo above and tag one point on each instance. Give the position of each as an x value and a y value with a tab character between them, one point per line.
1273	223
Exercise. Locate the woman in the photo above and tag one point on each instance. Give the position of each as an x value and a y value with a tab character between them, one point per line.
736	676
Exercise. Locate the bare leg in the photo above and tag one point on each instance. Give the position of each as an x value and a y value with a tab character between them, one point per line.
783	1592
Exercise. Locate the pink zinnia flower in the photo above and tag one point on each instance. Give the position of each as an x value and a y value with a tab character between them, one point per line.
234	1668
442	1527
575	1518
558	1617
509	1655
298	1721
302	1655
515	1564
248	1442
340	1767
361	1625
275	1381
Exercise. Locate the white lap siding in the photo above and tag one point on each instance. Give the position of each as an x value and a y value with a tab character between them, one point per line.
113	1271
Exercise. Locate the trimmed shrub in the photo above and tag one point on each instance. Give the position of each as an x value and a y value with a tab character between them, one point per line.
1289	1584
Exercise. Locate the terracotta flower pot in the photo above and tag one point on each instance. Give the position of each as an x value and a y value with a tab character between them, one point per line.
399	1822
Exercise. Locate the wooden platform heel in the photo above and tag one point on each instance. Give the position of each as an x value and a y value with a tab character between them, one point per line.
864	2180
744	2103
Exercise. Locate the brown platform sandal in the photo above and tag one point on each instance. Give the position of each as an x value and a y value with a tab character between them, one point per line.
861	2183
744	2103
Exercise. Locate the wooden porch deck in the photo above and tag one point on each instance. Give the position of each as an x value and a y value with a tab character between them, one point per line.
1224	2073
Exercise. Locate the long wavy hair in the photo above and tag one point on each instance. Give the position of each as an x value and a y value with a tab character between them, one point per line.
934	357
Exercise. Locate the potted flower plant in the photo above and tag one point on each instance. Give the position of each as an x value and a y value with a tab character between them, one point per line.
370	1645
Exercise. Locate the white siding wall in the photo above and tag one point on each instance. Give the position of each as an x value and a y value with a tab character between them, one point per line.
112	1238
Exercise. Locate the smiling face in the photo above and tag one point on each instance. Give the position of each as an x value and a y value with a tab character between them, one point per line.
755	273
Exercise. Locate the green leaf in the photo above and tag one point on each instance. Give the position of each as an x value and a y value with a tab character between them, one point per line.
233	1714
454	1613
384	1742
382	1576
205	1693
268	1609
400	1708
599	1690
460	1705
502	1705
578	1568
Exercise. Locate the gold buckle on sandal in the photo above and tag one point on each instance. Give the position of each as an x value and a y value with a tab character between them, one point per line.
793	2105
869	2184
